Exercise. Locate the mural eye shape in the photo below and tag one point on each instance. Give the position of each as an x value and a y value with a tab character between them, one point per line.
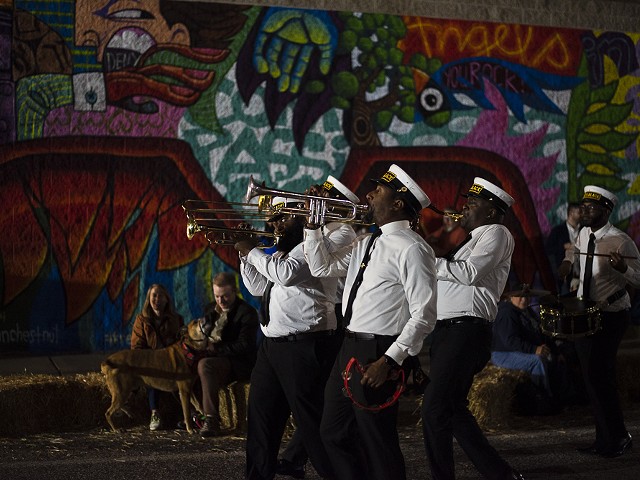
431	99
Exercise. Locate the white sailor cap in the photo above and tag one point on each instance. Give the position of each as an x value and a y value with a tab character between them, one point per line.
398	180
599	195
485	189
337	189
278	203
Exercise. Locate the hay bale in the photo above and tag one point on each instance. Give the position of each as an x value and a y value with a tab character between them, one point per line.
492	396
47	403
233	406
628	372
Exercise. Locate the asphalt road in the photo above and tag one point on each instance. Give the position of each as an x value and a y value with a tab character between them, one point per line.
541	448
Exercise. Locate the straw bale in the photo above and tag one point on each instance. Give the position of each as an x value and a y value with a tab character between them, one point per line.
628	373
492	396
32	404
47	403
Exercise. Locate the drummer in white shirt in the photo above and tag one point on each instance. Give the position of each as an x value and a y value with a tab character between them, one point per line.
615	264
471	279
388	319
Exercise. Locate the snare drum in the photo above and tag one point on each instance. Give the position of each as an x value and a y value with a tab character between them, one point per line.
570	317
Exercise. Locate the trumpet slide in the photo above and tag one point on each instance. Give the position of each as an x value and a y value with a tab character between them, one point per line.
212	220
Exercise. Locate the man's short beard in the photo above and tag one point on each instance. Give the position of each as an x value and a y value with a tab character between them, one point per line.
291	238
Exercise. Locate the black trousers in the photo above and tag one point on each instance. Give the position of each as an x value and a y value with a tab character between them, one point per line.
294	451
597	355
361	444
458	352
288	377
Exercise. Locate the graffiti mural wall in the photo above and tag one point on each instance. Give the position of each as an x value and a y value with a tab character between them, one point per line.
113	113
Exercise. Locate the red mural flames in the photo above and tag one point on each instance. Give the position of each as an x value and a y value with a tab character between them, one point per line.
446	172
91	204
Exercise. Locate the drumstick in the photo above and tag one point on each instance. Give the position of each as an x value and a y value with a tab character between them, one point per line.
607	255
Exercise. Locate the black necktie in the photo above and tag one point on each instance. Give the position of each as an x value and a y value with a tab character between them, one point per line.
449	256
358	280
588	268
264	304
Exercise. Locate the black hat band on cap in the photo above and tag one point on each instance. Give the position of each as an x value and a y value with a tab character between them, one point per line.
480	191
598	198
333	191
390	180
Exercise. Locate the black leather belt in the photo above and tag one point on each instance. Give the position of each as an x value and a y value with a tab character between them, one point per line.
447	322
295	337
616	296
367	336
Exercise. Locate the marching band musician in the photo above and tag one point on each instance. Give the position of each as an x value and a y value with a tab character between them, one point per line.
471	278
293	459
609	260
299	346
389	306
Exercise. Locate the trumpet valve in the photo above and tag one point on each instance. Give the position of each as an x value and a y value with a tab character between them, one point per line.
264	203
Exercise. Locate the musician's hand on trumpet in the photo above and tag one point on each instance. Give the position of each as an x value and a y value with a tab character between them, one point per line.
245	239
316	191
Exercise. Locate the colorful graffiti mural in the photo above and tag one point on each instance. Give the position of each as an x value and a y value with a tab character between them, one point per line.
112	114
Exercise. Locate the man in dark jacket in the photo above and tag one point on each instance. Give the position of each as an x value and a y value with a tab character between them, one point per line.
562	237
518	343
233	356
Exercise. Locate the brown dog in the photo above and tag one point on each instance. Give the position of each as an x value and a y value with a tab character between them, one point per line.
166	369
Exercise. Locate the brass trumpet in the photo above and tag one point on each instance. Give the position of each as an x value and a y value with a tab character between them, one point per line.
454	216
318	209
205	218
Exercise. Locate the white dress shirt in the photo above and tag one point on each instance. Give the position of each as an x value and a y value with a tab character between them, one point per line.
471	283
573	232
337	235
299	302
606	280
398	291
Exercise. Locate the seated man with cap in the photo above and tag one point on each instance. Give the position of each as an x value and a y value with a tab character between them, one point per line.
471	279
609	260
389	305
518	342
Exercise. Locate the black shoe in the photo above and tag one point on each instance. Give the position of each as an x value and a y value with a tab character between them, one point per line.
623	445
592	449
515	475
285	467
210	428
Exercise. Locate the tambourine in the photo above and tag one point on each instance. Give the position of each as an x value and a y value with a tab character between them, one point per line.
396	374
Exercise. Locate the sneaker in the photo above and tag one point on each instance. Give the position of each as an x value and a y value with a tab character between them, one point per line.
154	424
210	428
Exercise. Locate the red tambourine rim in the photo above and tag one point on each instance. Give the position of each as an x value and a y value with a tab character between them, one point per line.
373	408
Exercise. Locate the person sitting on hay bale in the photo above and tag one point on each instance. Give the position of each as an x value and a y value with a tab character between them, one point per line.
519	344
